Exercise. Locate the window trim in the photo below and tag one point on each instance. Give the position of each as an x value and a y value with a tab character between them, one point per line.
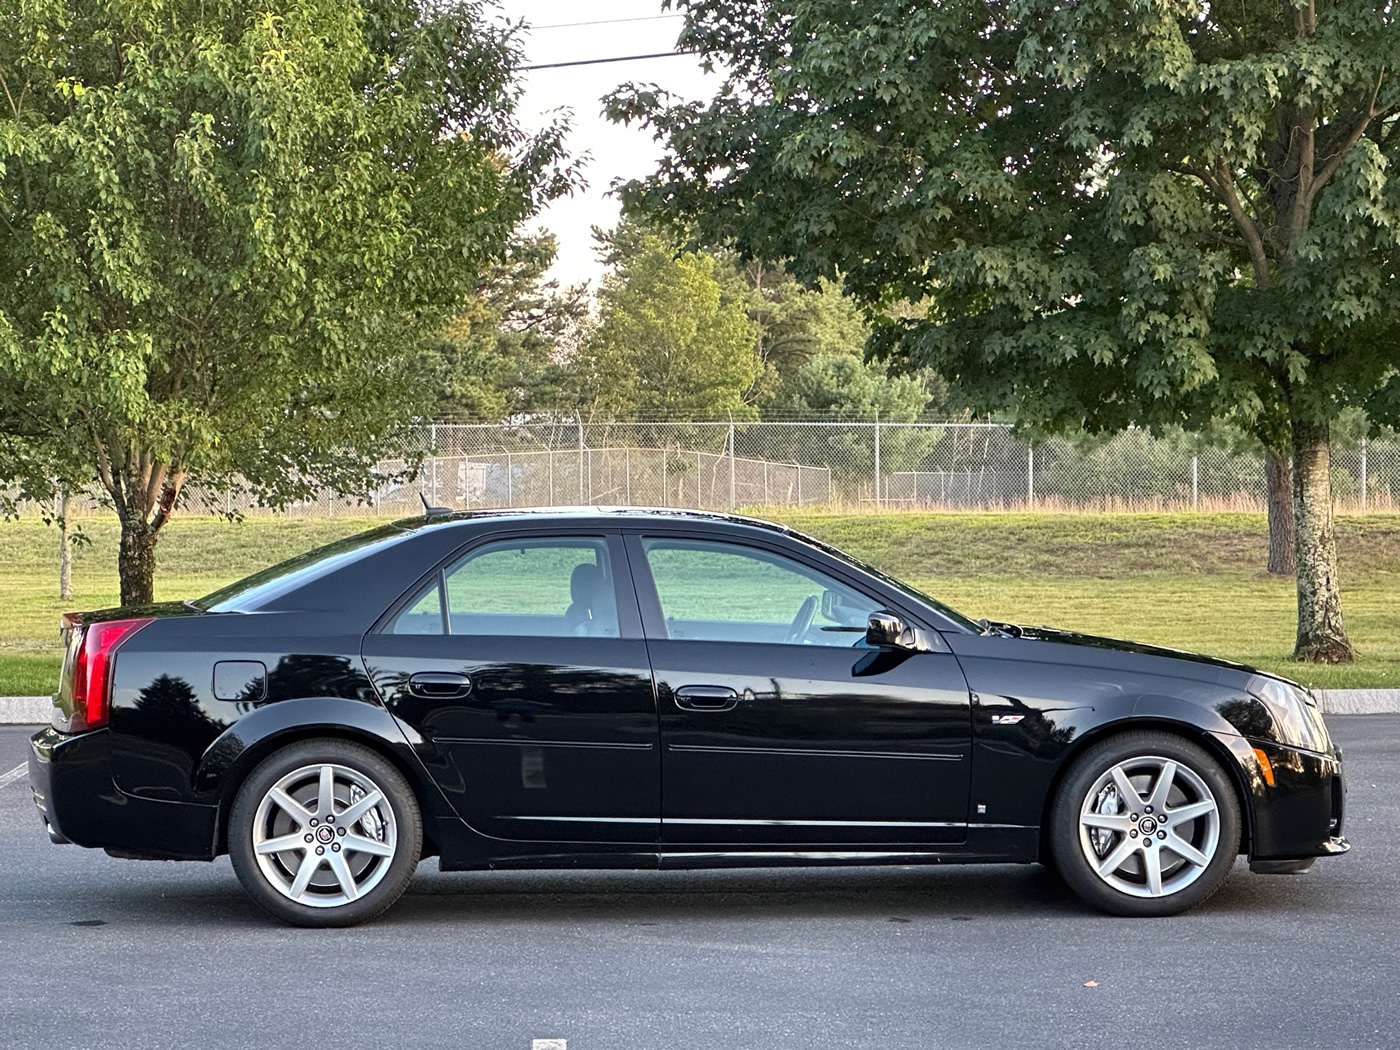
629	618
649	599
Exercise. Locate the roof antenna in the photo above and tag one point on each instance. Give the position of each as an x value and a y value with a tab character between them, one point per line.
433	512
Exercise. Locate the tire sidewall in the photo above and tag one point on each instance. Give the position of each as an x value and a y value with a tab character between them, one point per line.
1069	857
398	796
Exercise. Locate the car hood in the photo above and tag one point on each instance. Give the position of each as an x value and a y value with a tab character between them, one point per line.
1091	641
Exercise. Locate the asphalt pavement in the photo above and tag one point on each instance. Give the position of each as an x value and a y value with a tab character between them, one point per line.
96	952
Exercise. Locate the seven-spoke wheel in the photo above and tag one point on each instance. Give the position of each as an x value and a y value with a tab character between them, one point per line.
1145	824
325	833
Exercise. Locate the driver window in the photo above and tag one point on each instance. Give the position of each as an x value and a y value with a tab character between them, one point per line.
722	592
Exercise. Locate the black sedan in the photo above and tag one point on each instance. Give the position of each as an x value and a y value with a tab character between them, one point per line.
634	688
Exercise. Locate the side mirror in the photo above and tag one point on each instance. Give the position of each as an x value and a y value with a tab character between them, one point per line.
885	630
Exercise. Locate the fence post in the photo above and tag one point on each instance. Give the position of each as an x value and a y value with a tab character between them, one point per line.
732	500
765	483
1363	473
627	471
580	461
1195	481
550	454
510	482
877	459
1030	475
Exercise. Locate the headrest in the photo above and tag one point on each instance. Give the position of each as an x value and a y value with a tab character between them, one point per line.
585	583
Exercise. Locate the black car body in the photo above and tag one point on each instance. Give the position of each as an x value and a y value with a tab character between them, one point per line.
657	711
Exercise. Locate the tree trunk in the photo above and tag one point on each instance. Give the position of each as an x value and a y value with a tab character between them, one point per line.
1321	637
1279	475
65	551
136	561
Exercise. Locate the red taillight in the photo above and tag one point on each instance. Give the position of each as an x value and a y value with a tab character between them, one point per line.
92	670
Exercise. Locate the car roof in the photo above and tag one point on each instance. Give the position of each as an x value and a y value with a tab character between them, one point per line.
594	514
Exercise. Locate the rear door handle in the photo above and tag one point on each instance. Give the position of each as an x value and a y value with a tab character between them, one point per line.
706	697
439	685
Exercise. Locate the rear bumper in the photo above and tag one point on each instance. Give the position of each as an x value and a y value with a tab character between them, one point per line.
71	779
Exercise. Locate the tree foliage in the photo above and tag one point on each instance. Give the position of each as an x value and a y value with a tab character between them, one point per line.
502	355
669	343
1123	212
229	225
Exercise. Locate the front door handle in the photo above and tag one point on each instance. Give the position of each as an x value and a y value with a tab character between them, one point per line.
439	685
706	697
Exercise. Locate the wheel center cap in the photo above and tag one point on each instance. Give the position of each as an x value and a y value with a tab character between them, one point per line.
1147	826
324	834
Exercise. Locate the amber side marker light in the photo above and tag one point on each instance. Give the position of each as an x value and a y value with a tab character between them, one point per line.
1265	765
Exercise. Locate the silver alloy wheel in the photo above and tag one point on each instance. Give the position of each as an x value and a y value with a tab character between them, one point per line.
324	835
1149	826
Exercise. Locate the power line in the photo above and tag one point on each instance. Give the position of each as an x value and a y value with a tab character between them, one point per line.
607	21
601	61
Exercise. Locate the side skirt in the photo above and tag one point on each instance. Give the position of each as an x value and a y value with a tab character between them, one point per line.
985	844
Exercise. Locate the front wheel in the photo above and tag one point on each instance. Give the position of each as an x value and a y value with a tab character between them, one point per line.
1145	824
325	833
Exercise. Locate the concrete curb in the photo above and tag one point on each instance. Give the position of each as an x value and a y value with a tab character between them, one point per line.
35	710
25	710
1359	701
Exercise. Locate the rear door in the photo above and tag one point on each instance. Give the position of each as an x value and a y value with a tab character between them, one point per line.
521	663
779	726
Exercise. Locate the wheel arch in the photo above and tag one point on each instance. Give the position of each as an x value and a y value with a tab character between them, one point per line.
1192	733
254	751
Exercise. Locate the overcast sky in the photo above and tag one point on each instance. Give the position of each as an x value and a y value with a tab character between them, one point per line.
614	152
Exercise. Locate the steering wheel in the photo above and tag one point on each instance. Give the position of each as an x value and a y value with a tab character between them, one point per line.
802	621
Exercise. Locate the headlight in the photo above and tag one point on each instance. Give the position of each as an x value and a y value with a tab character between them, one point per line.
1297	721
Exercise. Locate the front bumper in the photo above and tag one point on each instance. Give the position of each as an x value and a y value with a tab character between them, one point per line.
70	776
1302	813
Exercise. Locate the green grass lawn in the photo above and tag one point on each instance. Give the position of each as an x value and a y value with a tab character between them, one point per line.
1192	581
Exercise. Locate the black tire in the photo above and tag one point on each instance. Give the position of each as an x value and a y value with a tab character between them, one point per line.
1090	793
390	832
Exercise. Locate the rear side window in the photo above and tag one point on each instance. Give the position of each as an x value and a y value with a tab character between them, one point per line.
555	587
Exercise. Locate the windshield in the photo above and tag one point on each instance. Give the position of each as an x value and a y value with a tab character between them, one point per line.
258	590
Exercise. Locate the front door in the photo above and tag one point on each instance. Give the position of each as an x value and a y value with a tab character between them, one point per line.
779	726
522	666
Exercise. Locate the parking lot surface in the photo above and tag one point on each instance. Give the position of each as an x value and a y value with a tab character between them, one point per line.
96	952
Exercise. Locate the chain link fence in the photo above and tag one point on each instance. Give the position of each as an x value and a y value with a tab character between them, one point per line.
982	466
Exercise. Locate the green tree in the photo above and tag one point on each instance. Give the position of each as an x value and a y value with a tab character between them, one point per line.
669	343
231	225
1123	212
501	355
794	323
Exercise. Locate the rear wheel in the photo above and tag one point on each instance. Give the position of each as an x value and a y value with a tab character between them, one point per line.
1145	824
325	833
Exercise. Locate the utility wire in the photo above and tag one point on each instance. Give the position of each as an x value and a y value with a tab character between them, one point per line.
601	61
606	21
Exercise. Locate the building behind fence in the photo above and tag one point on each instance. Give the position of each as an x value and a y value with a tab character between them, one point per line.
719	466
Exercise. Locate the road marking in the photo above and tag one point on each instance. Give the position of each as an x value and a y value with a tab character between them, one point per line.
13	775
549	1044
